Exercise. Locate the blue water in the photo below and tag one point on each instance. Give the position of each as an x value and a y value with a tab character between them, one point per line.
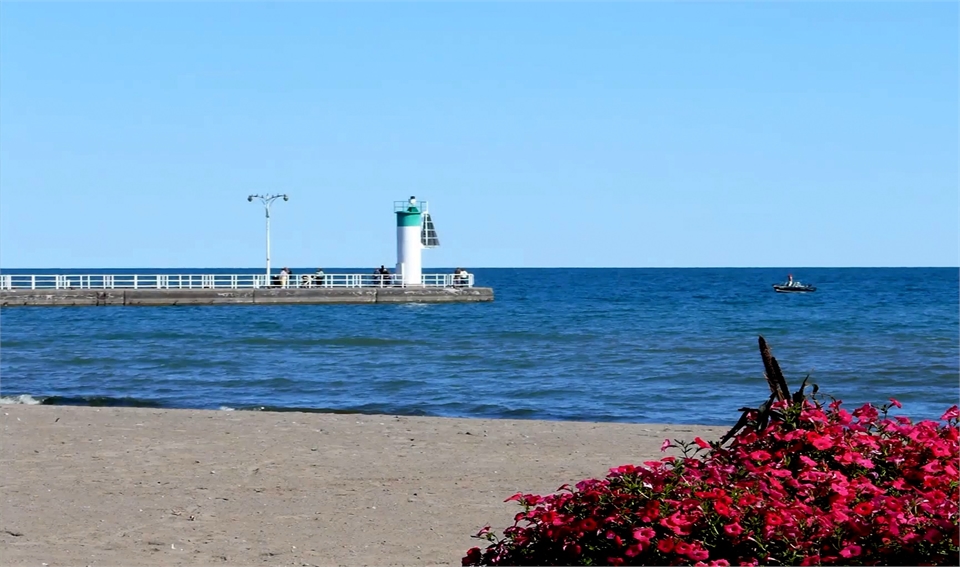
632	345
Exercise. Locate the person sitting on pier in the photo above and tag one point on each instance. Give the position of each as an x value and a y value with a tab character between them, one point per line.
383	275
460	277
285	277
319	277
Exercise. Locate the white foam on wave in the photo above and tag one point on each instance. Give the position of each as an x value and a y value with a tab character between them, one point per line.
25	399
226	408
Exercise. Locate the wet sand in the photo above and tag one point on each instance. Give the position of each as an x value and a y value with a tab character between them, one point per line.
125	486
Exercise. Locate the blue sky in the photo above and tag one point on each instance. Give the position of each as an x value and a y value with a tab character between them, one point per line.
543	134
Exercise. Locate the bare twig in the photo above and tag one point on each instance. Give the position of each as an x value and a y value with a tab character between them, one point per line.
775	379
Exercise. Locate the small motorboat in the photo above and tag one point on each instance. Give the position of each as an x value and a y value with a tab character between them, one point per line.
793	287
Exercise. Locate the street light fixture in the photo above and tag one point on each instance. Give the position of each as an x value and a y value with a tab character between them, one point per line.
268	200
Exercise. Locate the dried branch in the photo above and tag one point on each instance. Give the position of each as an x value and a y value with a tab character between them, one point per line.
772	373
758	418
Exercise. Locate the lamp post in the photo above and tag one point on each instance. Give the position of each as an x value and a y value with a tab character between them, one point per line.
268	200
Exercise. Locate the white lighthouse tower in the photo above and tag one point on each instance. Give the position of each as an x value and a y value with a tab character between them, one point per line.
415	231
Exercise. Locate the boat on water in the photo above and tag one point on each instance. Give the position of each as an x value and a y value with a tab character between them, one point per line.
793	286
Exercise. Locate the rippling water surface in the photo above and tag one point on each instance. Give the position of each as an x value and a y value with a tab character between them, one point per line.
636	345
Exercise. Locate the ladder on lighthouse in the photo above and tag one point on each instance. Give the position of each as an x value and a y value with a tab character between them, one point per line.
428	232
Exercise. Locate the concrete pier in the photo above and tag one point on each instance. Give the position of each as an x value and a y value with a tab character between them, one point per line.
219	296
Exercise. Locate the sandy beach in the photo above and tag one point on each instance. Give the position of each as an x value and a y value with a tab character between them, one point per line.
124	486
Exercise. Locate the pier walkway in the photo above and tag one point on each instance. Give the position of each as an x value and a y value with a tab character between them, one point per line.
209	289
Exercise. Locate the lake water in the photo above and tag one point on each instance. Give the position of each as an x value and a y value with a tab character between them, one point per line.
633	345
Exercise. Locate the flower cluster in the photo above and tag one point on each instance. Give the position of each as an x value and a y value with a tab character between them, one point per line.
817	486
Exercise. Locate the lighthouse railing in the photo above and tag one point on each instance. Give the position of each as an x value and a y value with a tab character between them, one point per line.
222	281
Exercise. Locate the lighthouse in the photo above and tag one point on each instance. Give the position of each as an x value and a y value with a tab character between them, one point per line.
415	231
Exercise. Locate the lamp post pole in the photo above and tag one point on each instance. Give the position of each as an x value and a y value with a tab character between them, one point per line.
268	200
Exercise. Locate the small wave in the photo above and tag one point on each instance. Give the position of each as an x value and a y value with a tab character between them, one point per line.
285	409
25	399
370	409
339	341
547	337
101	401
227	408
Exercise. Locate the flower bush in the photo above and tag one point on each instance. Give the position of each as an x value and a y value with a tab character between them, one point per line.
814	486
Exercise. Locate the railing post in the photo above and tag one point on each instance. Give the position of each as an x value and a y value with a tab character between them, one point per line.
33	282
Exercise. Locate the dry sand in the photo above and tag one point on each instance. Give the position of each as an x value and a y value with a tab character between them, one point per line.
121	486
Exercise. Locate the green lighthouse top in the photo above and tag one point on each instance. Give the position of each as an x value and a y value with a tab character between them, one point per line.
408	212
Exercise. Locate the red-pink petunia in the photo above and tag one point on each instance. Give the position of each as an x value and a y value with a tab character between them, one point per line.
850	551
733	529
760	456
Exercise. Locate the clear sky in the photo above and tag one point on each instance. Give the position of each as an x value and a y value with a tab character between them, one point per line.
543	134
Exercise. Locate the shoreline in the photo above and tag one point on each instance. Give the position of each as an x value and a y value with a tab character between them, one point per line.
89	485
106	402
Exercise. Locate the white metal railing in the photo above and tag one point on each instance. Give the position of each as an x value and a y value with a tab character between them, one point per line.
220	281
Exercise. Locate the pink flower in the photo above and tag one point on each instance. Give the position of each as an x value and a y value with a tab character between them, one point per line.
777	477
666	445
644	534
733	529
722	509
698	554
748	500
850	551
473	557
820	442
666	545
760	456
703	444
952	413
895	403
